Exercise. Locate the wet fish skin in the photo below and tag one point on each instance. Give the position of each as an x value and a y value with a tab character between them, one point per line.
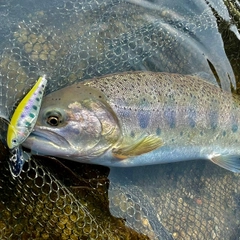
140	118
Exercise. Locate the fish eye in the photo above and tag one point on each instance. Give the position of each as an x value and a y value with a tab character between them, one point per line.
53	118
53	121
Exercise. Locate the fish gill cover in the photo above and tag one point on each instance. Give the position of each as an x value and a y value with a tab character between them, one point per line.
75	40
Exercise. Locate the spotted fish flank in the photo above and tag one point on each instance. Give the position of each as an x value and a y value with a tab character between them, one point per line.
25	115
170	117
140	118
143	118
192	117
213	119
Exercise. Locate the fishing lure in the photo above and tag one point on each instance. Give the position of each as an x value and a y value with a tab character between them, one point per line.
26	114
22	123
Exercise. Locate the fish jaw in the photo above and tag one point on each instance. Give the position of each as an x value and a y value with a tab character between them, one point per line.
44	142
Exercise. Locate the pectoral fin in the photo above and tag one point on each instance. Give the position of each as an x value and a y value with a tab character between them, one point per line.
229	162
144	145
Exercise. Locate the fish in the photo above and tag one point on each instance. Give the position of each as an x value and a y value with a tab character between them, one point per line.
140	118
22	123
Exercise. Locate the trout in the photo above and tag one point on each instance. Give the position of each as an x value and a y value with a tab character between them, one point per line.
140	118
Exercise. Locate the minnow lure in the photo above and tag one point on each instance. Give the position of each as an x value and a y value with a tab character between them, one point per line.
25	115
22	123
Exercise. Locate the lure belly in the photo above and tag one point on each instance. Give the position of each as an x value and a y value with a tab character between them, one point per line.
22	123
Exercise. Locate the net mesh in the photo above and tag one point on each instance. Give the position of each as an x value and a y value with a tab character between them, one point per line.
74	40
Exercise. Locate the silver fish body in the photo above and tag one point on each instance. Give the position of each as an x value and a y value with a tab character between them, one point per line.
140	118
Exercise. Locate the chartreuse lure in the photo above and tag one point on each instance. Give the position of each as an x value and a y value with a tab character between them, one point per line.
22	123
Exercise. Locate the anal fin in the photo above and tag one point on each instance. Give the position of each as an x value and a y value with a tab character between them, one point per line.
144	145
229	162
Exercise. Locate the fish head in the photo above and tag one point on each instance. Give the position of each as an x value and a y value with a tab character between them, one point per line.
76	123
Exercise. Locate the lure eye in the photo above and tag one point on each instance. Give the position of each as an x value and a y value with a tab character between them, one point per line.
53	121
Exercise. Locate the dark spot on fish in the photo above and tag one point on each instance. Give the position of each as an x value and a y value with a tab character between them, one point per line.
234	128
100	96
143	118
143	102
191	117
43	85
132	134
224	133
31	115
40	92
170	116
34	107
213	119
37	99
158	131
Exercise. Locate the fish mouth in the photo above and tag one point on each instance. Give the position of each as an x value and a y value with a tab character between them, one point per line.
43	141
